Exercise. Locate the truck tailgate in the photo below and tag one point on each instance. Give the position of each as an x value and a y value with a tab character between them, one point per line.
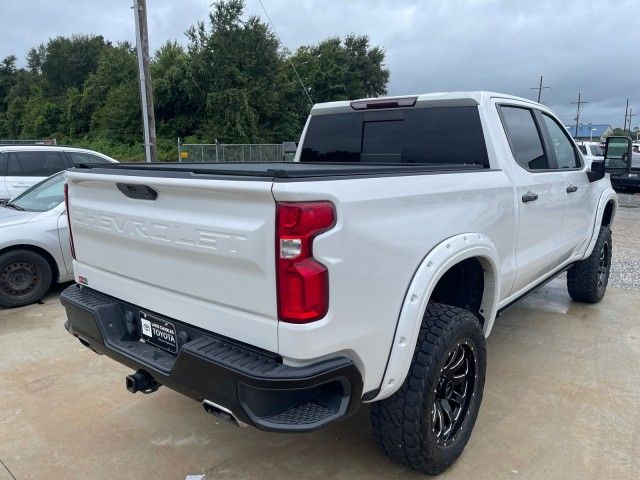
201	252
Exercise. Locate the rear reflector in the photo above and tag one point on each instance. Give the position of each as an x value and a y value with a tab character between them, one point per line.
384	103
66	203
302	282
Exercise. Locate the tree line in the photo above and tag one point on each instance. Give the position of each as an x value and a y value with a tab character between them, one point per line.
233	82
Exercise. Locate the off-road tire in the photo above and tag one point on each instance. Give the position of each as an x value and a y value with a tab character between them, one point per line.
587	279
403	425
26	268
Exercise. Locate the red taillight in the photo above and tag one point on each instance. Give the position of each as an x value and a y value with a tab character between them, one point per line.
303	282
66	203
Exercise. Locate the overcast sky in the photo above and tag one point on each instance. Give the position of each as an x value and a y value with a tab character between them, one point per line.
502	45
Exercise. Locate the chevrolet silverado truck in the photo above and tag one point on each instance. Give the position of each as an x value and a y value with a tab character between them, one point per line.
368	270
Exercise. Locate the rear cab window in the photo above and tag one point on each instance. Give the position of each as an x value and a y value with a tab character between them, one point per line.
524	137
35	163
420	135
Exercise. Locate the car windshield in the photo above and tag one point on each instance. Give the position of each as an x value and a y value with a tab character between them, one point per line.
42	196
597	151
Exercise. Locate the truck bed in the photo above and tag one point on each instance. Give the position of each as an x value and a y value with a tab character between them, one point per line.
272	171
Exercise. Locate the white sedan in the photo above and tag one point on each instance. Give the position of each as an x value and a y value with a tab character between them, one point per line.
34	243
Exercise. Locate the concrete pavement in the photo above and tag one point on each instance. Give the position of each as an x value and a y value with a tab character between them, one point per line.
562	400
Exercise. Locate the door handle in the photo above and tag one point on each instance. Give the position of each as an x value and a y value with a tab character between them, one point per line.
572	188
529	197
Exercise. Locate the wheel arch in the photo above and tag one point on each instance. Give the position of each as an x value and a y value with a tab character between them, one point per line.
55	271
604	216
432	269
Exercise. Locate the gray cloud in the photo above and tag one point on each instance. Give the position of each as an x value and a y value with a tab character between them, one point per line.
500	45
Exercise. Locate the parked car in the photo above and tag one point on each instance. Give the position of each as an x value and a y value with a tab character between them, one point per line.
34	243
370	270
24	166
591	151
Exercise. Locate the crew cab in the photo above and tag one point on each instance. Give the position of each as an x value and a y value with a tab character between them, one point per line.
370	269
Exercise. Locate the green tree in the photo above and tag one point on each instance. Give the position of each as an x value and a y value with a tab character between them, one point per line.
174	106
337	69
119	116
236	63
68	62
116	66
7	79
41	118
233	82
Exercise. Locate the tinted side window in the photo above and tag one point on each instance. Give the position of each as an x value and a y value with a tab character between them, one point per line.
562	146
13	168
524	138
442	135
82	157
35	163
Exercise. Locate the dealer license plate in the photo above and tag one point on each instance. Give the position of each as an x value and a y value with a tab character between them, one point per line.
159	332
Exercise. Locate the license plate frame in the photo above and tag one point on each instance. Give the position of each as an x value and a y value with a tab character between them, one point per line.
158	331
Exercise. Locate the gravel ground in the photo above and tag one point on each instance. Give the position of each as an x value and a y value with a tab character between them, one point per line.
625	266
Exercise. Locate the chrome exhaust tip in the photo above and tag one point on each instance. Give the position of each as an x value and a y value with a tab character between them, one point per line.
222	413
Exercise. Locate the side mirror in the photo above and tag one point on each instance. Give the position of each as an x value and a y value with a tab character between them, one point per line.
617	153
597	171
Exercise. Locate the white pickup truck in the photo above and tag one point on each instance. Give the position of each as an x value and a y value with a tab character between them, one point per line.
370	269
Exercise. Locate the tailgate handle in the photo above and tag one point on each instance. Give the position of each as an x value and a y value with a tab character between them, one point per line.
139	192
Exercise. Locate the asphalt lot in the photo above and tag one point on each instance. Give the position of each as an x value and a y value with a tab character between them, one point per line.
561	401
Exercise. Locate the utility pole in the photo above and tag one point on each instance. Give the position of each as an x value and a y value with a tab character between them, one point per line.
630	116
579	102
626	112
539	88
146	95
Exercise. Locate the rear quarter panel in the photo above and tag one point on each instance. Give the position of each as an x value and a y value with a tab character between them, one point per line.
385	227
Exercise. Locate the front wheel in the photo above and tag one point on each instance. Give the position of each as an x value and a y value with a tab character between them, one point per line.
587	279
428	421
25	277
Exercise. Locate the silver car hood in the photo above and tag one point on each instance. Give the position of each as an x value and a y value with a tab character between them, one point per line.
9	216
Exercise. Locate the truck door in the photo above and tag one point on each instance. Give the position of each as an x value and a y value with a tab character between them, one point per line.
579	206
540	197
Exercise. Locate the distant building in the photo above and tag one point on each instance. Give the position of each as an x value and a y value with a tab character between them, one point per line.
588	131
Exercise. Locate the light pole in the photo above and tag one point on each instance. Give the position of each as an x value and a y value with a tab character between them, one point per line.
592	130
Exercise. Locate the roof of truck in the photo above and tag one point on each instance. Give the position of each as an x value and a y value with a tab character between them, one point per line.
437	98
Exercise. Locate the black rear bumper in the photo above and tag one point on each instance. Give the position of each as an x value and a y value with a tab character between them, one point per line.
251	383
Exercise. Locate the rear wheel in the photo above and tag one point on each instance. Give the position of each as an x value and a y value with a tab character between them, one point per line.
25	277
587	280
428	421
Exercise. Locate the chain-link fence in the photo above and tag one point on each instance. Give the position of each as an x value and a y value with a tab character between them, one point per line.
42	141
222	153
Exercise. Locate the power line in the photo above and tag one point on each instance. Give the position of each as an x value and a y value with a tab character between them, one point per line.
539	88
289	57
